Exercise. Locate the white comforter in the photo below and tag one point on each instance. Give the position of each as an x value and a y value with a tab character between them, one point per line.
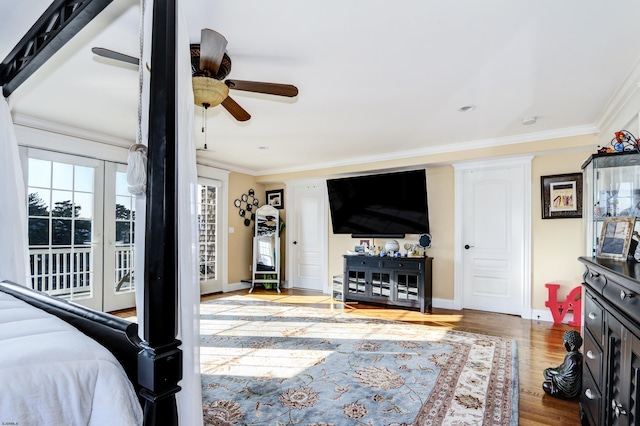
52	374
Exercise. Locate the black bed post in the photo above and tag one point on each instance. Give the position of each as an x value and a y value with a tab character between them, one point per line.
160	361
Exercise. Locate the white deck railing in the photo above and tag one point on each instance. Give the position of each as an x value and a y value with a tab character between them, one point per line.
63	272
67	272
124	269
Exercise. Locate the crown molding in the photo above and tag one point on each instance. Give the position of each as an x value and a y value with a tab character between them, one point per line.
62	129
622	108
446	148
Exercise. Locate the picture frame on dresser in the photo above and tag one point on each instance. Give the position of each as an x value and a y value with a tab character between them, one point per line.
615	237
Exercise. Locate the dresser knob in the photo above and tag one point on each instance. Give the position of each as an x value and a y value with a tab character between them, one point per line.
589	394
590	354
592	315
625	295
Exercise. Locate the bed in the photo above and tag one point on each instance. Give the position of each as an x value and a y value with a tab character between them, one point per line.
145	371
64	376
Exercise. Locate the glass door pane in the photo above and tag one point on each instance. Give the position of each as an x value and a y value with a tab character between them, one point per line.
64	194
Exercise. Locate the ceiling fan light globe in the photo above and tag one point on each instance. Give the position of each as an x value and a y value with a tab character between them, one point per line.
207	90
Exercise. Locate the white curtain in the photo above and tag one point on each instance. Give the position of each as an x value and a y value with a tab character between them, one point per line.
14	248
190	397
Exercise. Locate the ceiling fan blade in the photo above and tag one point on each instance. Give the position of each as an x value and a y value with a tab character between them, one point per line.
212	46
259	87
236	110
106	53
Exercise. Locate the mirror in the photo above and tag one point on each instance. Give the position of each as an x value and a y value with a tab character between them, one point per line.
266	249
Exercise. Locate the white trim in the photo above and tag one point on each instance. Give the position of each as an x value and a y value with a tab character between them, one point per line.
26	121
235	286
546	315
445	148
460	168
622	108
46	140
444	304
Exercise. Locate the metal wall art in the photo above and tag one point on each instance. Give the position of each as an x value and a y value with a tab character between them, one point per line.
245	204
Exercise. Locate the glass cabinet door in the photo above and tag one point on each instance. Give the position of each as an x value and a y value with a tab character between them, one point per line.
407	287
380	284
612	189
356	282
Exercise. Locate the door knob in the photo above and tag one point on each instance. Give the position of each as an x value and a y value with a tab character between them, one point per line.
295	242
467	246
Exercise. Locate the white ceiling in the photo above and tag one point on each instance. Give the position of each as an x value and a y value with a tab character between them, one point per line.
377	79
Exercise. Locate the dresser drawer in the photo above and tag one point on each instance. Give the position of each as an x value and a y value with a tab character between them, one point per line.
595	279
627	301
363	261
590	399
593	316
593	358
402	264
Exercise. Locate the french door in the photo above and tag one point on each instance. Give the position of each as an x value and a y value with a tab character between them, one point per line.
65	203
119	227
81	227
208	232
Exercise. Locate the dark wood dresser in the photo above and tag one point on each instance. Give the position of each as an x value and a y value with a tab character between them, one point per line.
611	332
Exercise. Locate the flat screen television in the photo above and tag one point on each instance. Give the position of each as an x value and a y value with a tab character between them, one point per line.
381	205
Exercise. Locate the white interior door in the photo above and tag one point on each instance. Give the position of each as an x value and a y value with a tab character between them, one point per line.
494	238
307	230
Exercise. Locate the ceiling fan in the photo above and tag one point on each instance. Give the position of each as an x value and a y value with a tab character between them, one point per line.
210	65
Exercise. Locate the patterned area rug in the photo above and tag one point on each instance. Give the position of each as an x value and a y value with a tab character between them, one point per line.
266	363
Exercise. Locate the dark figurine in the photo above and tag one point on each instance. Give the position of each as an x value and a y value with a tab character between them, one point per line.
565	380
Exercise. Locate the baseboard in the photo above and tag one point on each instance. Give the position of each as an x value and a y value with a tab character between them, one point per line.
444	304
235	286
533	315
545	315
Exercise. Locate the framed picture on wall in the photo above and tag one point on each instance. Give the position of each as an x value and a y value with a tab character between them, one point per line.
615	237
561	196
275	198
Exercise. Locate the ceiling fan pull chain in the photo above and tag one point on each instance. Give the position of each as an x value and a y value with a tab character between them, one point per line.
205	107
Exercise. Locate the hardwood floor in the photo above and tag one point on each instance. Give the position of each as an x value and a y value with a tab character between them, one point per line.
539	344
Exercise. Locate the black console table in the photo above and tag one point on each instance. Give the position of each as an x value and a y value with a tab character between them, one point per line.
399	281
611	332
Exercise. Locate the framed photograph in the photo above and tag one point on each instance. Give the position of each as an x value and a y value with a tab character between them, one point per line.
561	196
275	198
615	237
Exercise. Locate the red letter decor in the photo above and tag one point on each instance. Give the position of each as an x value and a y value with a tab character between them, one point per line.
560	309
